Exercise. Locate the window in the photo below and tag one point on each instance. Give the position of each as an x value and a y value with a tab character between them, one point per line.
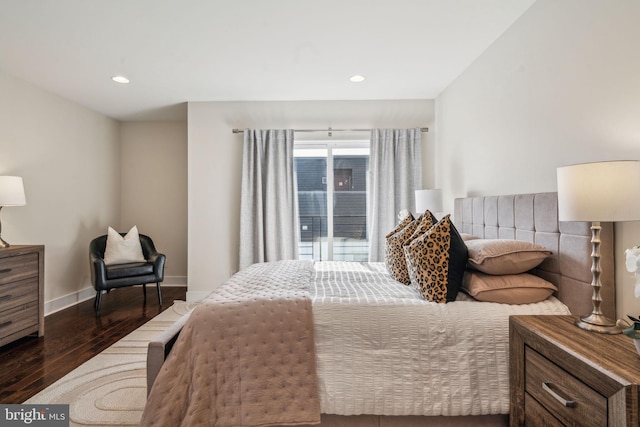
332	199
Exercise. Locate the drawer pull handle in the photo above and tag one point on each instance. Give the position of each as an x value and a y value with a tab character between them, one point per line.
5	297
6	270
565	402
2	325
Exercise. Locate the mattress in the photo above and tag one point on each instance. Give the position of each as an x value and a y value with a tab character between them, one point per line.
382	349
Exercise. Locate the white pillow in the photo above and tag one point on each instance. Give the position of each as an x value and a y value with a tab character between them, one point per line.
121	250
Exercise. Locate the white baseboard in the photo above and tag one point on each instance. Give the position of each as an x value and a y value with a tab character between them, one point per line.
68	300
87	293
174	281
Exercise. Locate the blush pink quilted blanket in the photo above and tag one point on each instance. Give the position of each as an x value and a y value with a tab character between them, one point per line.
245	357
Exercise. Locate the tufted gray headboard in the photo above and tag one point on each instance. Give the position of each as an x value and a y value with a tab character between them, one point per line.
534	218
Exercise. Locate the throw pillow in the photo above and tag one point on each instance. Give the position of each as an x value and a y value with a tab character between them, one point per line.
436	262
507	289
406	221
427	220
503	256
467	236
122	250
394	255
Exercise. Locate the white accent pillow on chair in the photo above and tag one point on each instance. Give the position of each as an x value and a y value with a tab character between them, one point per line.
121	250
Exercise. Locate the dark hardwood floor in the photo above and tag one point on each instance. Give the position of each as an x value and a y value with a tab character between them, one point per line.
73	336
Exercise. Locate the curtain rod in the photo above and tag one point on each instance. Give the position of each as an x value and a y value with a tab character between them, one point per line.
329	130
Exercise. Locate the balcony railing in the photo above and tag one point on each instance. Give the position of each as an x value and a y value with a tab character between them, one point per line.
349	238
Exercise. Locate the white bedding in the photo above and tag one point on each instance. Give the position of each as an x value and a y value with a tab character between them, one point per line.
382	349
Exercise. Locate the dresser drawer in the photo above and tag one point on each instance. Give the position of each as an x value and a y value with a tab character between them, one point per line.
536	415
18	293
18	267
549	384
19	318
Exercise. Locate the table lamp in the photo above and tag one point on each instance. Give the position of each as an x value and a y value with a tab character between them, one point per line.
599	192
428	199
11	194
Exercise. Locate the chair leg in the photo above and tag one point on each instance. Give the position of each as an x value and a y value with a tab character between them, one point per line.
144	289
159	294
96	303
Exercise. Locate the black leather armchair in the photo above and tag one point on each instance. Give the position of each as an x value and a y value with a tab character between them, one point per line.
107	277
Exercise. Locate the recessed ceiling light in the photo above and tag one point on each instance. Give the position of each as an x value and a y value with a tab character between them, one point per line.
357	78
120	79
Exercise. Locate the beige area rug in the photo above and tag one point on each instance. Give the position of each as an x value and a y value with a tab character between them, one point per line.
111	388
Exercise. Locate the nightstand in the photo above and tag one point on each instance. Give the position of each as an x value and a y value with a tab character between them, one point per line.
21	292
563	375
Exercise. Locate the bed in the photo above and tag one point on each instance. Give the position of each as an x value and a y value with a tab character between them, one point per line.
385	358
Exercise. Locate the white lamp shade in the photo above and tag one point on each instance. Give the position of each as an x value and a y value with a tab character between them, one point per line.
12	191
603	191
429	199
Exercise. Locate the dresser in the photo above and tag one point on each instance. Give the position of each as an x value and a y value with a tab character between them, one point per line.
21	292
563	375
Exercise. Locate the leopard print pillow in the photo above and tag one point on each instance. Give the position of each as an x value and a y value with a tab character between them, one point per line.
436	262
388	250
427	221
394	254
406	221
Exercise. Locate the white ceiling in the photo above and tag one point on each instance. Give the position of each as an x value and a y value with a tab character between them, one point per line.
175	51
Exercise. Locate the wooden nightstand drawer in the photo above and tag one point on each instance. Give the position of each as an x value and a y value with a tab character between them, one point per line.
551	385
18	267
19	318
21	292
18	293
600	373
536	415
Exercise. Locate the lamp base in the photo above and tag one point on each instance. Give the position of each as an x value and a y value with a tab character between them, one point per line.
598	323
3	244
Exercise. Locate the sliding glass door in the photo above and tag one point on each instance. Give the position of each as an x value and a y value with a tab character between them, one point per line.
332	180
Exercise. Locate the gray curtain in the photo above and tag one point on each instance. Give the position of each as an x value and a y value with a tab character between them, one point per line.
268	206
396	172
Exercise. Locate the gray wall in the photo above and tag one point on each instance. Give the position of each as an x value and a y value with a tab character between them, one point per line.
559	87
154	189
69	159
83	172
